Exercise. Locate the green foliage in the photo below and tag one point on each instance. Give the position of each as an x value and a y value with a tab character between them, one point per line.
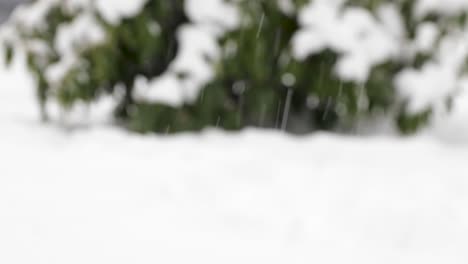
9	53
257	81
137	46
410	123
250	88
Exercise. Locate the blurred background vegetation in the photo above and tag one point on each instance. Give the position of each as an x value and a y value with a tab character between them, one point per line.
257	83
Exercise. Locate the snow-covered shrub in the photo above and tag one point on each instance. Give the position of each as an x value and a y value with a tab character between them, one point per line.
80	50
243	84
390	56
296	65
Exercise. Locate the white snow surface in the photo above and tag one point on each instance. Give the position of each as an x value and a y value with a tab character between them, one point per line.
441	77
218	12
445	7
426	37
31	16
114	11
363	40
100	195
191	69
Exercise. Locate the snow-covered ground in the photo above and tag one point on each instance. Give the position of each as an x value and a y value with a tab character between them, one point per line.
101	195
